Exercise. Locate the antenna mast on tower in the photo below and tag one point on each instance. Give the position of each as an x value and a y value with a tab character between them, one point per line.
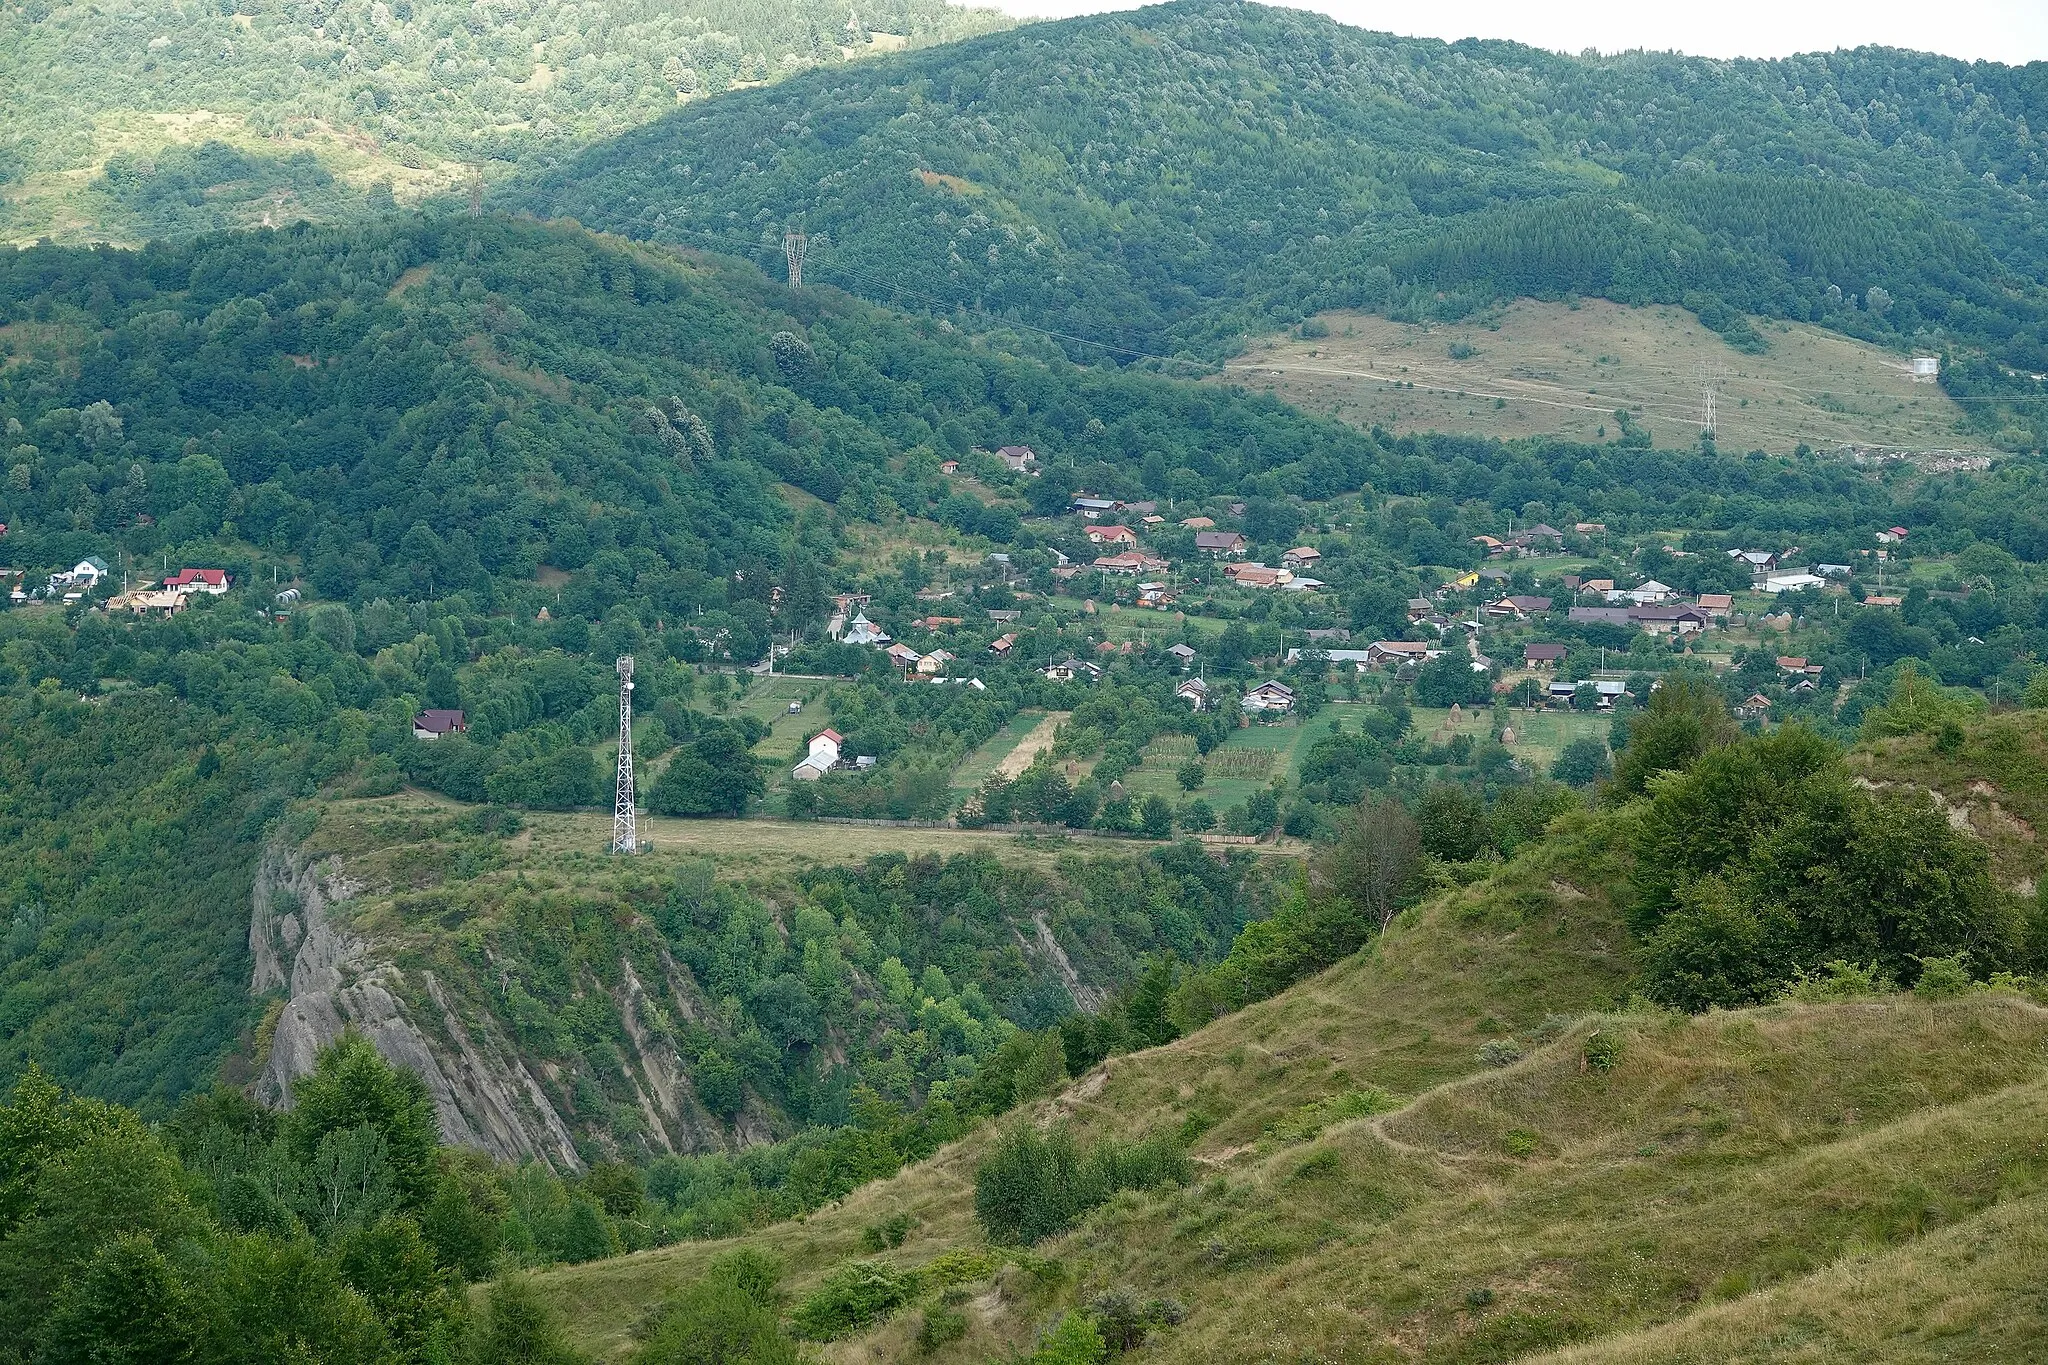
625	839
794	245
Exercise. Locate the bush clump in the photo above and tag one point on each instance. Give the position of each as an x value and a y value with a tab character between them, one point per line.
732	1314
1034	1184
853	1296
1602	1052
940	1327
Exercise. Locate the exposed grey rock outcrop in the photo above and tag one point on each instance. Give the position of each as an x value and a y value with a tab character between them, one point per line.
484	1095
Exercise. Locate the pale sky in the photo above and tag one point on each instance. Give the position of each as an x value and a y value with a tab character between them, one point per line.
2011	31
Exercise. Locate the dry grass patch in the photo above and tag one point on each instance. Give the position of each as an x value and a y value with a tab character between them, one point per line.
1558	370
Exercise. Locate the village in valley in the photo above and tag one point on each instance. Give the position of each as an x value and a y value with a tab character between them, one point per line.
1265	644
1228	667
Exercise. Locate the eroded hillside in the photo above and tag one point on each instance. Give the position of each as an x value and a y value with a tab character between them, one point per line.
563	1006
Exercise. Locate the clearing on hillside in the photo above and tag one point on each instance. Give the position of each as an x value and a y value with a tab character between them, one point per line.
1553	369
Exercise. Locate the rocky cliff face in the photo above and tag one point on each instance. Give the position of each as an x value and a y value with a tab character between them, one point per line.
333	979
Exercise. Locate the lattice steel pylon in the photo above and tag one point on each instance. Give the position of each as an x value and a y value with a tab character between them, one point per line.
794	245
1711	378
625	839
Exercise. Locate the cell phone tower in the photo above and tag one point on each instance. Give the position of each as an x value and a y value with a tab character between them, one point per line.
625	839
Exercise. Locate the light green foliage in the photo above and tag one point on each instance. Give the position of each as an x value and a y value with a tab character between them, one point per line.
518	1327
729	1317
853	1296
1074	1340
1310	1120
1942	978
1838	980
1918	705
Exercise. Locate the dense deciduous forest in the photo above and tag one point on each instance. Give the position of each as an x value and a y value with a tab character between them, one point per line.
417	90
1168	180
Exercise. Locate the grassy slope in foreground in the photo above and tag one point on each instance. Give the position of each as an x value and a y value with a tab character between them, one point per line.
1798	1150
1493	960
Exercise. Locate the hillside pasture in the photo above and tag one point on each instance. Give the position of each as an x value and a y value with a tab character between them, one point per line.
1561	370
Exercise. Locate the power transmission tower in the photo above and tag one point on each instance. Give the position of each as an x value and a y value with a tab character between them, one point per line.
476	191
625	839
1710	378
794	245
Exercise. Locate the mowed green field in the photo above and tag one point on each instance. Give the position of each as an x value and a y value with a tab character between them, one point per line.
1232	778
976	767
1539	735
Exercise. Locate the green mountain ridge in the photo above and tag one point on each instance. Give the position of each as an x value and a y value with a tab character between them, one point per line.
1170	179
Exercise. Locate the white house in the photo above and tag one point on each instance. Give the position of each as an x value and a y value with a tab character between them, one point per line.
1269	698
1195	693
86	573
1362	659
1643	594
213	582
1791	582
823	757
1071	669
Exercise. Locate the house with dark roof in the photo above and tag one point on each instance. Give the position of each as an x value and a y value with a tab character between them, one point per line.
1543	657
1269	698
1518	606
1219	542
1680	620
436	722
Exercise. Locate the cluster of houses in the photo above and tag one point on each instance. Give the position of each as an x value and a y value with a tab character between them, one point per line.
1124	556
850	626
88	575
1536	540
175	592
70	584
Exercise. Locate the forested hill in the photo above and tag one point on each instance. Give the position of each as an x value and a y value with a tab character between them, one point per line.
1167	178
127	119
